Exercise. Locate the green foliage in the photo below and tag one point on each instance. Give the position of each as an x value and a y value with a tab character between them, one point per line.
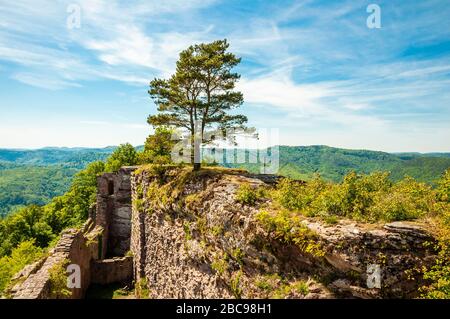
25	185
37	176
444	186
202	225
25	253
439	273
287	227
238	255
362	197
158	147
220	264
298	287
138	204
405	200
235	284
141	289
268	283
248	195
295	196
58	280
278	288
217	230
43	224
27	224
124	155
187	230
72	157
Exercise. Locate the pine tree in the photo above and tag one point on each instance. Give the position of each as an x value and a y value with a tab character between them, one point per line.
198	98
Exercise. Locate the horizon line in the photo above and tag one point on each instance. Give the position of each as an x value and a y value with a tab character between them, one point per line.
236	147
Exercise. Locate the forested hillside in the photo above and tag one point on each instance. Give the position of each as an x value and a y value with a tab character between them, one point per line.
75	157
22	185
36	176
302	162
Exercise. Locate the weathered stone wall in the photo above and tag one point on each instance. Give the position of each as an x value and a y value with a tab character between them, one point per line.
114	211
73	247
107	271
106	233
179	244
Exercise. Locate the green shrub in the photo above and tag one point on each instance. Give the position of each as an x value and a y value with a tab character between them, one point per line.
58	280
124	155
141	289
235	284
290	194
369	198
25	253
298	287
444	187
217	230
187	230
268	283
247	195
439	273
287	227
220	265
202	225
238	255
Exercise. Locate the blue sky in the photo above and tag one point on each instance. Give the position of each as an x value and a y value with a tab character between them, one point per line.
312	69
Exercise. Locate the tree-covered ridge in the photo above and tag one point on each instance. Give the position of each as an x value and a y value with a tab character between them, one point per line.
25	179
36	176
22	185
302	162
75	157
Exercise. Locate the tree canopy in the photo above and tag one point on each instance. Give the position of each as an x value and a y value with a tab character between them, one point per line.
158	146
124	155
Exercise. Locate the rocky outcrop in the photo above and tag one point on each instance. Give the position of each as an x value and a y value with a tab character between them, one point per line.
191	238
397	249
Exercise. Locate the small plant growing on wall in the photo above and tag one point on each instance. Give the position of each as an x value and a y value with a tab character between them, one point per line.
141	289
58	280
235	284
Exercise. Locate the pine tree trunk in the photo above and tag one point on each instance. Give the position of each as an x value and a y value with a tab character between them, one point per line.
195	154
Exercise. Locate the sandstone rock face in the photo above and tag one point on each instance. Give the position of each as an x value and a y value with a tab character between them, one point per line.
203	243
398	249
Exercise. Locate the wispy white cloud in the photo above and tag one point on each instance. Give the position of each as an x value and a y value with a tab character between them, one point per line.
313	62
43	81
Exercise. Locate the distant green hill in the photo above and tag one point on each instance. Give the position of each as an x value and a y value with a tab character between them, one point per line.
334	163
35	176
22	185
75	157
